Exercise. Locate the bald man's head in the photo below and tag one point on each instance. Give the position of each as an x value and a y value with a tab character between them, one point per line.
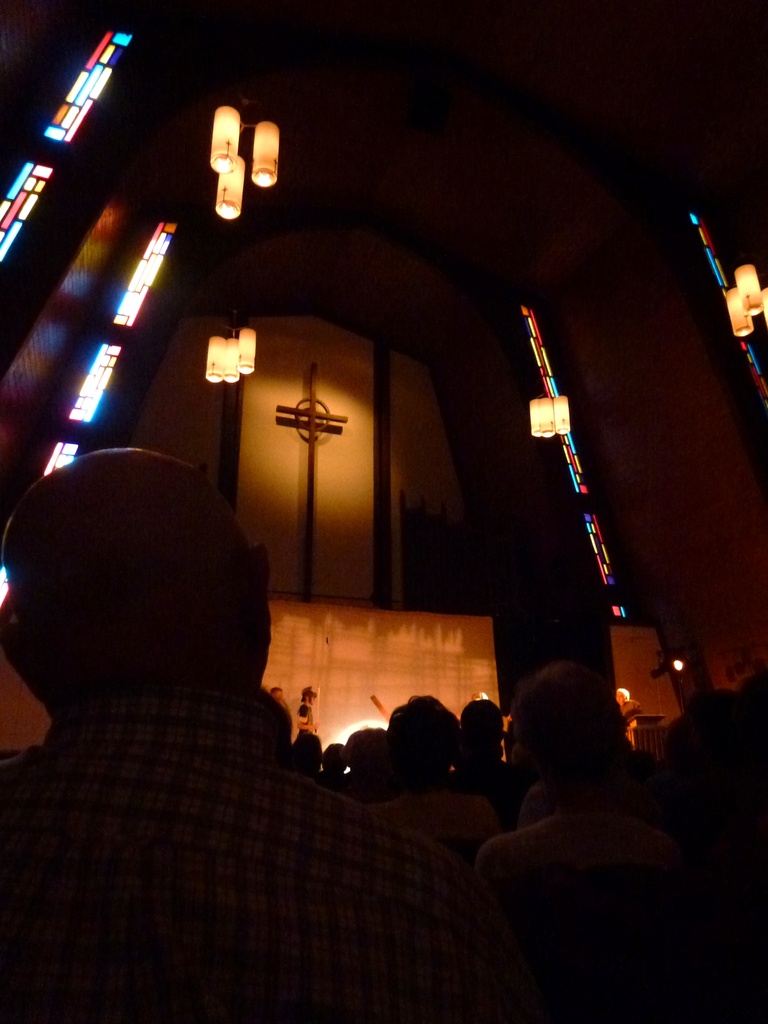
127	569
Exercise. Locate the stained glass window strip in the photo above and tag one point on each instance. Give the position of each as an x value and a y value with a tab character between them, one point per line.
572	458
3	584
757	376
598	546
88	87
551	390
95	383
709	249
144	275
754	367
19	202
63	453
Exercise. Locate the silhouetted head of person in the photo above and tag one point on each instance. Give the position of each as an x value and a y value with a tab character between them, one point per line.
482	729
128	570
713	717
308	754
367	754
751	716
567	717
334	762
423	739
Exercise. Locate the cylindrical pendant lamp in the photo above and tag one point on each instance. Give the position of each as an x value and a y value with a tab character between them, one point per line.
229	196
562	414
247	348
765	303
542	417
216	350
749	289
231	359
741	323
226	136
266	144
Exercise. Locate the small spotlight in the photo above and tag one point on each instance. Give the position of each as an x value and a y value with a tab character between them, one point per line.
678	664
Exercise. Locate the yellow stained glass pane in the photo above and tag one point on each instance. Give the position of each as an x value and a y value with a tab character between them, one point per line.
26	209
152	268
96	90
77	86
138	276
73	112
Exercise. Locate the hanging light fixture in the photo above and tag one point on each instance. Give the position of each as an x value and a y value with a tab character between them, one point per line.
749	289
231	361
745	300
225	141
266	145
246	350
216	348
230	167
550	416
229	196
741	321
230	357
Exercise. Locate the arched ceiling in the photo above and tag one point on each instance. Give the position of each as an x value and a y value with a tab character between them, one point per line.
440	162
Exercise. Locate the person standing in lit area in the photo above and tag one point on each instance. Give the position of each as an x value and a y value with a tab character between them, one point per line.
305	719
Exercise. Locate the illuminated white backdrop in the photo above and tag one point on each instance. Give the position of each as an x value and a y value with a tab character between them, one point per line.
350	654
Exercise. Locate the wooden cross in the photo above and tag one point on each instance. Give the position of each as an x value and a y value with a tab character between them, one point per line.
310	417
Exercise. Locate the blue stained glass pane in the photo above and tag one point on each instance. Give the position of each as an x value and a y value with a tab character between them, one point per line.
53	132
555	392
13	230
90	81
94	406
715	269
573	477
19	181
588	517
124	308
610	579
754	358
122	39
98	359
694	218
570	442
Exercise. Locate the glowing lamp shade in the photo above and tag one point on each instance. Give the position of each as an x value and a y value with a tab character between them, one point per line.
765	303
266	144
562	414
216	350
231	359
226	136
229	196
247	348
749	289
542	417
741	322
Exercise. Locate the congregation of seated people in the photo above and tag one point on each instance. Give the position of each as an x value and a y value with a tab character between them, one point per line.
635	888
171	854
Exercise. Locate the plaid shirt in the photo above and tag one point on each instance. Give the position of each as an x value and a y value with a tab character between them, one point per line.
156	866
